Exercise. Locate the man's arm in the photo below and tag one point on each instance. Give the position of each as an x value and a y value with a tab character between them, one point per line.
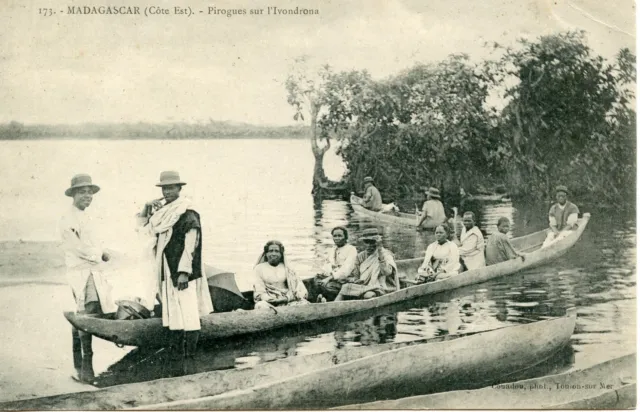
469	245
553	224
425	214
185	266
73	244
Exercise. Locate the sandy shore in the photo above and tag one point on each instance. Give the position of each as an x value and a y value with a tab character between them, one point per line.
36	338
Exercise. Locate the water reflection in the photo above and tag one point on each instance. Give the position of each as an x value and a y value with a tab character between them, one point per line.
597	276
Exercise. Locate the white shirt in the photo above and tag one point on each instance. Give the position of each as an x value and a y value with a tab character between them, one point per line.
80	250
342	261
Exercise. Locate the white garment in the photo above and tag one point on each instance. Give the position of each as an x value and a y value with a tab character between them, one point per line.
552	238
83	258
342	260
447	253
472	248
181	309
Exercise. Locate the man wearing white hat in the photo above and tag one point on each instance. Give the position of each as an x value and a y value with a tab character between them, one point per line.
179	268
82	259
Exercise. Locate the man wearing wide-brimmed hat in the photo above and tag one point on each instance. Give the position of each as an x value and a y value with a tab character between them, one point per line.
372	199
375	272
181	280
563	215
82	258
432	211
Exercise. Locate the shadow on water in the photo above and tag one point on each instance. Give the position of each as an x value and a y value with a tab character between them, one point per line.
597	276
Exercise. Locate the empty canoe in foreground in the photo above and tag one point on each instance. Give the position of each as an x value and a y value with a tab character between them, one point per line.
477	358
608	385
210	383
148	332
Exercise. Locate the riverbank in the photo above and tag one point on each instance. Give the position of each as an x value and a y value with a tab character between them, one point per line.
36	345
24	262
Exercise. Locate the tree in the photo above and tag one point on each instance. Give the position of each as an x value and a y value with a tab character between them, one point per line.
325	98
425	126
565	115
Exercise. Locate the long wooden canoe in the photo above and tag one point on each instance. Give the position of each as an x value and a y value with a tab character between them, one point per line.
402	219
149	332
602	386
474	359
209	383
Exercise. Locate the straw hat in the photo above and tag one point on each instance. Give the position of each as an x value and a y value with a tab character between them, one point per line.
433	192
170	178
128	309
81	180
370	234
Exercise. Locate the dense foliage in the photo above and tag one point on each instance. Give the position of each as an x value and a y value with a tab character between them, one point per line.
544	113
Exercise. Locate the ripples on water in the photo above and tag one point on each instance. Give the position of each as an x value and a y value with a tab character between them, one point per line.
252	191
597	276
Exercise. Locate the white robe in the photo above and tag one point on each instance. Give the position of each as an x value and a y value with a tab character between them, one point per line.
181	309
472	248
83	258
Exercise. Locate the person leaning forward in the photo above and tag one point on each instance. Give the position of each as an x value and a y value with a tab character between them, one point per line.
179	268
82	259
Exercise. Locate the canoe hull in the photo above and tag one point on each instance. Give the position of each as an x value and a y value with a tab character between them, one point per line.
405	370
401	219
617	375
149	332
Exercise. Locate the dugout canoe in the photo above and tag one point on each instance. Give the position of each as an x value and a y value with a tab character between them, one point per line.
210	383
608	385
400	218
483	357
149	332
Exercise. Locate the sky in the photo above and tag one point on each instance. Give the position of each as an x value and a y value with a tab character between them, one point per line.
164	68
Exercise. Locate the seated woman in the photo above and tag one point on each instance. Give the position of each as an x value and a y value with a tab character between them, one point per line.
375	272
275	284
442	258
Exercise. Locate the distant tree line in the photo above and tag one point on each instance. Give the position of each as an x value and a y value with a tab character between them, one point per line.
211	130
546	112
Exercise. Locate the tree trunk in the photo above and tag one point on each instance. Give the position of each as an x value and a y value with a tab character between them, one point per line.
319	178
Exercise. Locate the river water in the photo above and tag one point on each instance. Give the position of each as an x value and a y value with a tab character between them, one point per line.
250	191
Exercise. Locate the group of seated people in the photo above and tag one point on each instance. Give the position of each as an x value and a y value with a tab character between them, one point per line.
373	272
450	255
348	274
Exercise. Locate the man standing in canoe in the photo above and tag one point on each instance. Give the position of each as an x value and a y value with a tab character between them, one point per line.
471	243
82	258
432	211
563	216
375	272
371	199
183	288
342	260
